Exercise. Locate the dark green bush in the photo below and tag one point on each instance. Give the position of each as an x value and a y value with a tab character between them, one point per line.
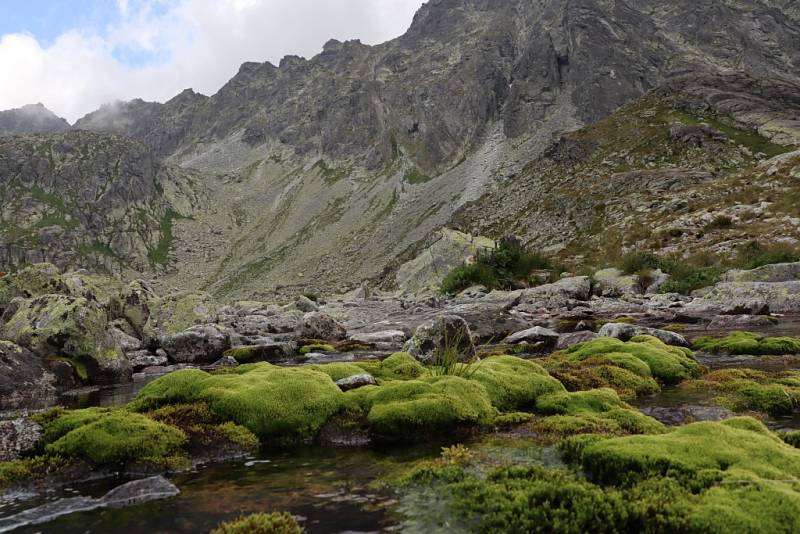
639	261
500	268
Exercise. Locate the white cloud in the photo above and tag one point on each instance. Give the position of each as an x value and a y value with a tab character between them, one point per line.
188	43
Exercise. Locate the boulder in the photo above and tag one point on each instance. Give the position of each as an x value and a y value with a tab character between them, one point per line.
566	341
25	380
144	358
537	334
197	344
748	298
740	322
319	325
779	272
72	328
125	341
627	331
446	332
356	381
18	438
449	249
263	325
558	294
263	352
133	305
305	304
613	283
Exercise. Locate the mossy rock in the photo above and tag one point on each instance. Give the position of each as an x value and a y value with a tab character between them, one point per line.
175	313
400	366
665	362
106	437
274	523
595	373
743	390
513	383
337	371
748	343
317	347
33	281
76	329
277	404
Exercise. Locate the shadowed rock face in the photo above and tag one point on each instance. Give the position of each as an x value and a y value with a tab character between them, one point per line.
34	118
322	172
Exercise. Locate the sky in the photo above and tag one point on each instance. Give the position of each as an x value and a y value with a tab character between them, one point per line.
75	55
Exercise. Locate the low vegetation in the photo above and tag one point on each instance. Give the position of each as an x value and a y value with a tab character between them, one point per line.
505	267
274	523
748	343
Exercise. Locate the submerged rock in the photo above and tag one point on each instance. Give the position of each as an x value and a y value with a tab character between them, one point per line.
130	494
566	341
356	381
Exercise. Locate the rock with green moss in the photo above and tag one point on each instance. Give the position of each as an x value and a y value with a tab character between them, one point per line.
626	332
274	523
102	289
748	343
175	313
666	363
33	281
133	305
264	352
399	366
744	390
73	328
444	337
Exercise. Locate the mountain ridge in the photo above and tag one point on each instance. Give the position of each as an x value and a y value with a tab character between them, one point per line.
328	171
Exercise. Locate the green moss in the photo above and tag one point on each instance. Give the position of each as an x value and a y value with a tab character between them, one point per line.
274	523
160	254
514	383
598	410
32	281
112	436
317	347
203	429
276	404
513	419
746	389
401	409
748	343
605	372
666	363
177	312
400	366
622	319
415	177
246	354
27	469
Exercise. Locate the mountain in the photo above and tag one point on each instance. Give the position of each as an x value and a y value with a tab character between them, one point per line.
324	172
34	118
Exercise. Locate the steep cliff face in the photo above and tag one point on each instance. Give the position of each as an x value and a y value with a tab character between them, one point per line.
34	118
326	171
82	199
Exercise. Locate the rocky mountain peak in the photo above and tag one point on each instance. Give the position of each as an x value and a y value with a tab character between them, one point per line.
33	118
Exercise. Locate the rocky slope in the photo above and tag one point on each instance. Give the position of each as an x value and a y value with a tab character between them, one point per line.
324	172
83	199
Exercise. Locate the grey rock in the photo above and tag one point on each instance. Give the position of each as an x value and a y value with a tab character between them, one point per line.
269	352
737	322
25	379
613	283
18	438
559	294
226	362
749	298
145	358
356	381
627	331
319	325
33	118
125	341
385	340
566	341
537	334
198	344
